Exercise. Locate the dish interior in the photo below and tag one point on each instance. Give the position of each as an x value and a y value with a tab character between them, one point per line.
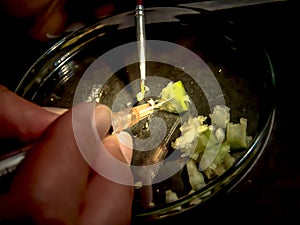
240	68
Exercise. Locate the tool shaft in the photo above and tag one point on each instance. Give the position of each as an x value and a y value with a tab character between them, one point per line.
141	43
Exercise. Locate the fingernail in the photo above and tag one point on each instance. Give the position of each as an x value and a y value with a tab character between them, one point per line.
52	36
126	144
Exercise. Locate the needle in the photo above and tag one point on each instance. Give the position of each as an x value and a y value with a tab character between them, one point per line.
121	120
141	48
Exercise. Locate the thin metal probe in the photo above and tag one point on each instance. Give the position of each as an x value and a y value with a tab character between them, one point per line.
141	43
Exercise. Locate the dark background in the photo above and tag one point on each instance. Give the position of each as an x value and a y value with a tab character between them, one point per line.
270	193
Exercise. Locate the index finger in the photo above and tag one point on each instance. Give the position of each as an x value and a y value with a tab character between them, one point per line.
52	179
20	118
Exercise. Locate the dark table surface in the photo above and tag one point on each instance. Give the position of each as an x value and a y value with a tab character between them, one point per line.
269	194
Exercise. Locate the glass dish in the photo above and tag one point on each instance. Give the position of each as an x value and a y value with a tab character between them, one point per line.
182	41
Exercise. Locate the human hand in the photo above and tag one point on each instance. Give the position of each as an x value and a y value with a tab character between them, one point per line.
51	18
54	184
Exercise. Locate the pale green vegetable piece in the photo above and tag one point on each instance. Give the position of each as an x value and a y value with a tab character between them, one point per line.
220	163
210	154
220	116
175	94
201	145
191	133
223	151
196	178
236	135
228	160
171	196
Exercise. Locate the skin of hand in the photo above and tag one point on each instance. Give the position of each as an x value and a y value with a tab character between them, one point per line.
54	184
50	17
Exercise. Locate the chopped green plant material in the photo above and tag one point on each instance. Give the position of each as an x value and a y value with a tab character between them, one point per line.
209	145
196	178
175	94
171	196
236	135
207	141
220	116
192	131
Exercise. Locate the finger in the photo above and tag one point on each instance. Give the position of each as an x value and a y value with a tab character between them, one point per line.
104	10
52	178
50	16
20	118
50	23
56	110
24	8
106	198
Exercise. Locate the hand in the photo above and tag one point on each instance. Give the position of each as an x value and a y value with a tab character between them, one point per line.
51	17
54	184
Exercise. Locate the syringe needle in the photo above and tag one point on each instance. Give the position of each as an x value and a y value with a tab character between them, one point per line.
126	118
141	45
